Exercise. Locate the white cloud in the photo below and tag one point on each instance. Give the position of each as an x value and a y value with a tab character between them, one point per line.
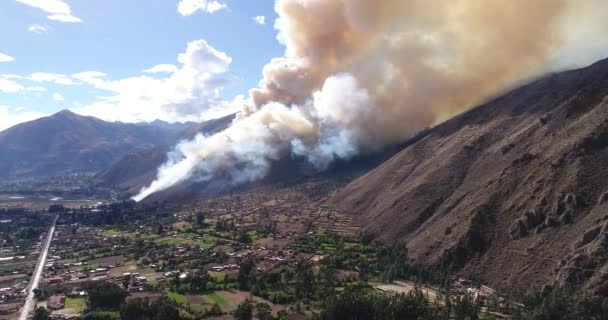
6	58
188	91
214	6
162	68
35	89
9	86
189	7
10	118
51	77
57	96
58	10
64	18
261	20
94	78
39	29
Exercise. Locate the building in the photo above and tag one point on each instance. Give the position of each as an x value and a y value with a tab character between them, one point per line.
56	302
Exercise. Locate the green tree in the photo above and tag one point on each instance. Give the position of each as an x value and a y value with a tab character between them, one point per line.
465	308
326	280
305	279
550	304
244	237
263	311
105	296
244	311
359	304
392	259
199	281
215	310
246	273
41	313
200	219
592	308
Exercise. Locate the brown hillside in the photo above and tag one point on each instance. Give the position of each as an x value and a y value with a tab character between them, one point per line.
512	192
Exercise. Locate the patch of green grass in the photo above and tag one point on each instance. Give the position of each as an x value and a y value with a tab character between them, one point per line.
188	234
253	235
7	254
113	315
88	266
216	298
147	236
328	205
75	303
179	298
206	242
114	232
22	279
199	307
10	267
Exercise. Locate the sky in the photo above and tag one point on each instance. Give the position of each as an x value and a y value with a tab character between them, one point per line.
136	60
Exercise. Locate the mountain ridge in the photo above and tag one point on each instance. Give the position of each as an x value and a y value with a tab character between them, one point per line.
508	190
69	142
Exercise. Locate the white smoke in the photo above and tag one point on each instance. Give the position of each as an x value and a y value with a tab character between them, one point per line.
358	75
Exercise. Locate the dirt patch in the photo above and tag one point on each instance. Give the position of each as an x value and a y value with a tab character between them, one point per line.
113	260
195	299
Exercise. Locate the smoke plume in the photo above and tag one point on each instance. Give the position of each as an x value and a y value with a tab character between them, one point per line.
358	75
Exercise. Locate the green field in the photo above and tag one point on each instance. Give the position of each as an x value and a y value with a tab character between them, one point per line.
128	234
179	298
75	303
206	242
10	267
216	298
113	315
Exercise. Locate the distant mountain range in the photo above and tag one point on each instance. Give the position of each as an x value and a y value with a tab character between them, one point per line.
68	142
138	169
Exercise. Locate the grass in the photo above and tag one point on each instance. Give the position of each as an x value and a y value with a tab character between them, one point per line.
328	205
253	235
129	234
104	315
22	279
114	232
7	254
216	298
12	267
75	303
178	298
205	243
88	266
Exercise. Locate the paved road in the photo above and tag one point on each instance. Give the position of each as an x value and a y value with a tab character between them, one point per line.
35	280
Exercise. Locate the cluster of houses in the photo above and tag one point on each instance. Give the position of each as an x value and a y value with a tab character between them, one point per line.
462	286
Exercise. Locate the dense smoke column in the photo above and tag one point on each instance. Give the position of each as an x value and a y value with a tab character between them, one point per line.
358	75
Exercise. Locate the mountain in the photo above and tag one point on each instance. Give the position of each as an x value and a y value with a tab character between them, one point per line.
67	141
513	193
136	170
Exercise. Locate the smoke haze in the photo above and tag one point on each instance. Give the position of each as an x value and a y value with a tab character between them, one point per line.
358	75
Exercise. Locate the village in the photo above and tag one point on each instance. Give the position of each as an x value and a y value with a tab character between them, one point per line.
214	236
23	233
155	252
166	254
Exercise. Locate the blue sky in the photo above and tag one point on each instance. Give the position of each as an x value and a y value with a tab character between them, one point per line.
56	39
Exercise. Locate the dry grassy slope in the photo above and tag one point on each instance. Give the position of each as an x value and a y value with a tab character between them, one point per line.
505	191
